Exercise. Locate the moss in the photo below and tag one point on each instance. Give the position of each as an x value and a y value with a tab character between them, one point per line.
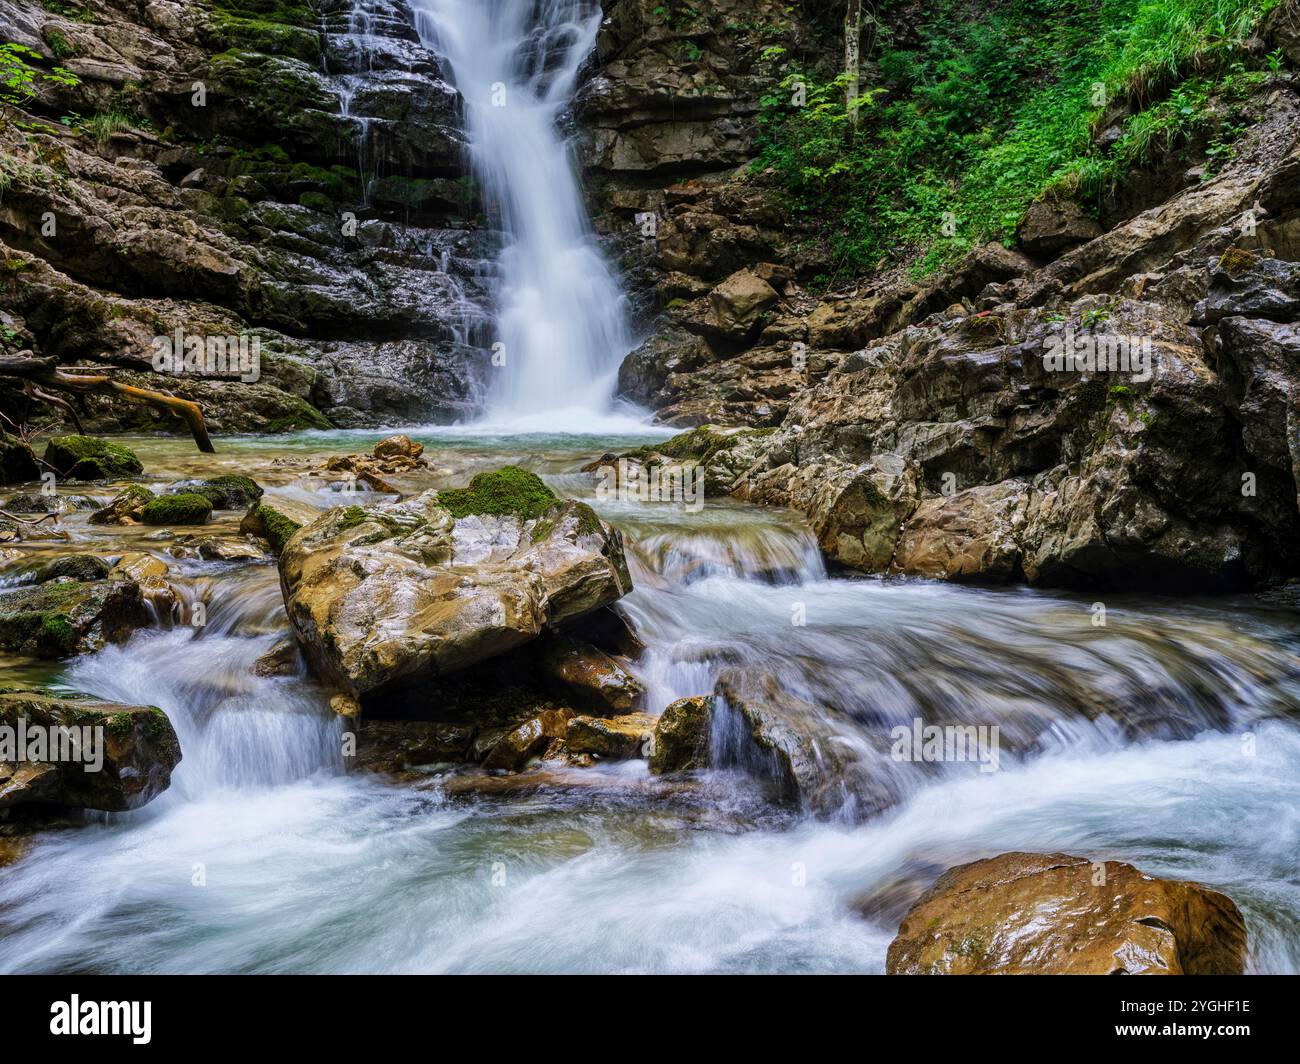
317	201
1236	261
184	508
297	414
56	638
229	492
352	516
272	525
506	492
90	458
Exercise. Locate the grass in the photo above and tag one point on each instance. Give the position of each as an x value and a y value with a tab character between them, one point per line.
992	107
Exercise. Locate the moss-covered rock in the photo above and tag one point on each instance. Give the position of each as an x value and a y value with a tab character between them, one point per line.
184	508
229	492
62	617
270	524
682	736
90	458
506	492
133	748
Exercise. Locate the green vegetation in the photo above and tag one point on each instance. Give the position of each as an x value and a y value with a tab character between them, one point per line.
90	458
994	108
229	492
19	77
509	491
271	525
184	508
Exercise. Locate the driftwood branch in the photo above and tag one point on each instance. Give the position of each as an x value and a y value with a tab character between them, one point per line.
20	521
43	375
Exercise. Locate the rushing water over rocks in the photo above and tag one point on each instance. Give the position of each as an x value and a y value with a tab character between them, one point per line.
1167	737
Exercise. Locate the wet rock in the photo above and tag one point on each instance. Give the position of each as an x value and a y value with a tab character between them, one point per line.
139	566
588	676
36	503
65	617
138	746
800	748
389	596
681	739
73	567
1052	914
615	738
228	492
214	549
90	458
1050	227
398	447
124	508
516	747
970	535
395	746
184	508
280	660
1245	285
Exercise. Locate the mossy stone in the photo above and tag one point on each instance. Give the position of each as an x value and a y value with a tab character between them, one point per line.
506	492
184	508
90	458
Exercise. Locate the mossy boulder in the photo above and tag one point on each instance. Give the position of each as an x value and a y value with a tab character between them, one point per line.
124	754
17	463
91	458
229	492
63	617
506	492
270	524
39	503
183	508
682	736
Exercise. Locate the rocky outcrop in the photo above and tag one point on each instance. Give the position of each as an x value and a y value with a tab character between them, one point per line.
82	753
388	596
1052	914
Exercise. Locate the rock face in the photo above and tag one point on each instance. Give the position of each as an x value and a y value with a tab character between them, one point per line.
385	597
131	751
1052	914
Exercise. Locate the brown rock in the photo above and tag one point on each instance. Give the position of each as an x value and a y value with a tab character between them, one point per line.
616	738
1052	914
516	747
1048	228
682	736
590	676
740	301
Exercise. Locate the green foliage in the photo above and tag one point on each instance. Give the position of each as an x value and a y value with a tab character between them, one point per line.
506	491
19	78
993	107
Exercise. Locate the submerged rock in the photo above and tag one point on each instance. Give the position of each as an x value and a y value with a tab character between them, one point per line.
137	744
1053	914
389	596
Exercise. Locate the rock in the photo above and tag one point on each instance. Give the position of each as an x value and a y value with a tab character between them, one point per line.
615	738
970	535
184	508
73	567
64	616
36	503
389	596
398	447
138	566
214	549
90	458
395	746
739	303
270	524
1048	914
593	679
681	740
137	744
800	748
1050	227
125	507
280	660
1243	284
228	492
17	463
517	746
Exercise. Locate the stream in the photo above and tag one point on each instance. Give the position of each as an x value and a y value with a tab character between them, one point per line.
1125	742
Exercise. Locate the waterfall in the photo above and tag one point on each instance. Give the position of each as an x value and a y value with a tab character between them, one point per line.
561	319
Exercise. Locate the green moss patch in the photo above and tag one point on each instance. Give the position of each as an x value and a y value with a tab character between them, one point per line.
506	492
271	525
90	458
185	508
229	492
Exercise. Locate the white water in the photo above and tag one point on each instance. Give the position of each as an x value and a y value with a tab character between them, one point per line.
561	314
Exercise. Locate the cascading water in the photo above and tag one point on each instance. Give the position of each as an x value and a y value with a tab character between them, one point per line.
561	314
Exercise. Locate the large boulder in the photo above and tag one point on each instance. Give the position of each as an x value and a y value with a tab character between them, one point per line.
1052	914
739	303
388	596
109	756
681	740
17	463
1048	228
